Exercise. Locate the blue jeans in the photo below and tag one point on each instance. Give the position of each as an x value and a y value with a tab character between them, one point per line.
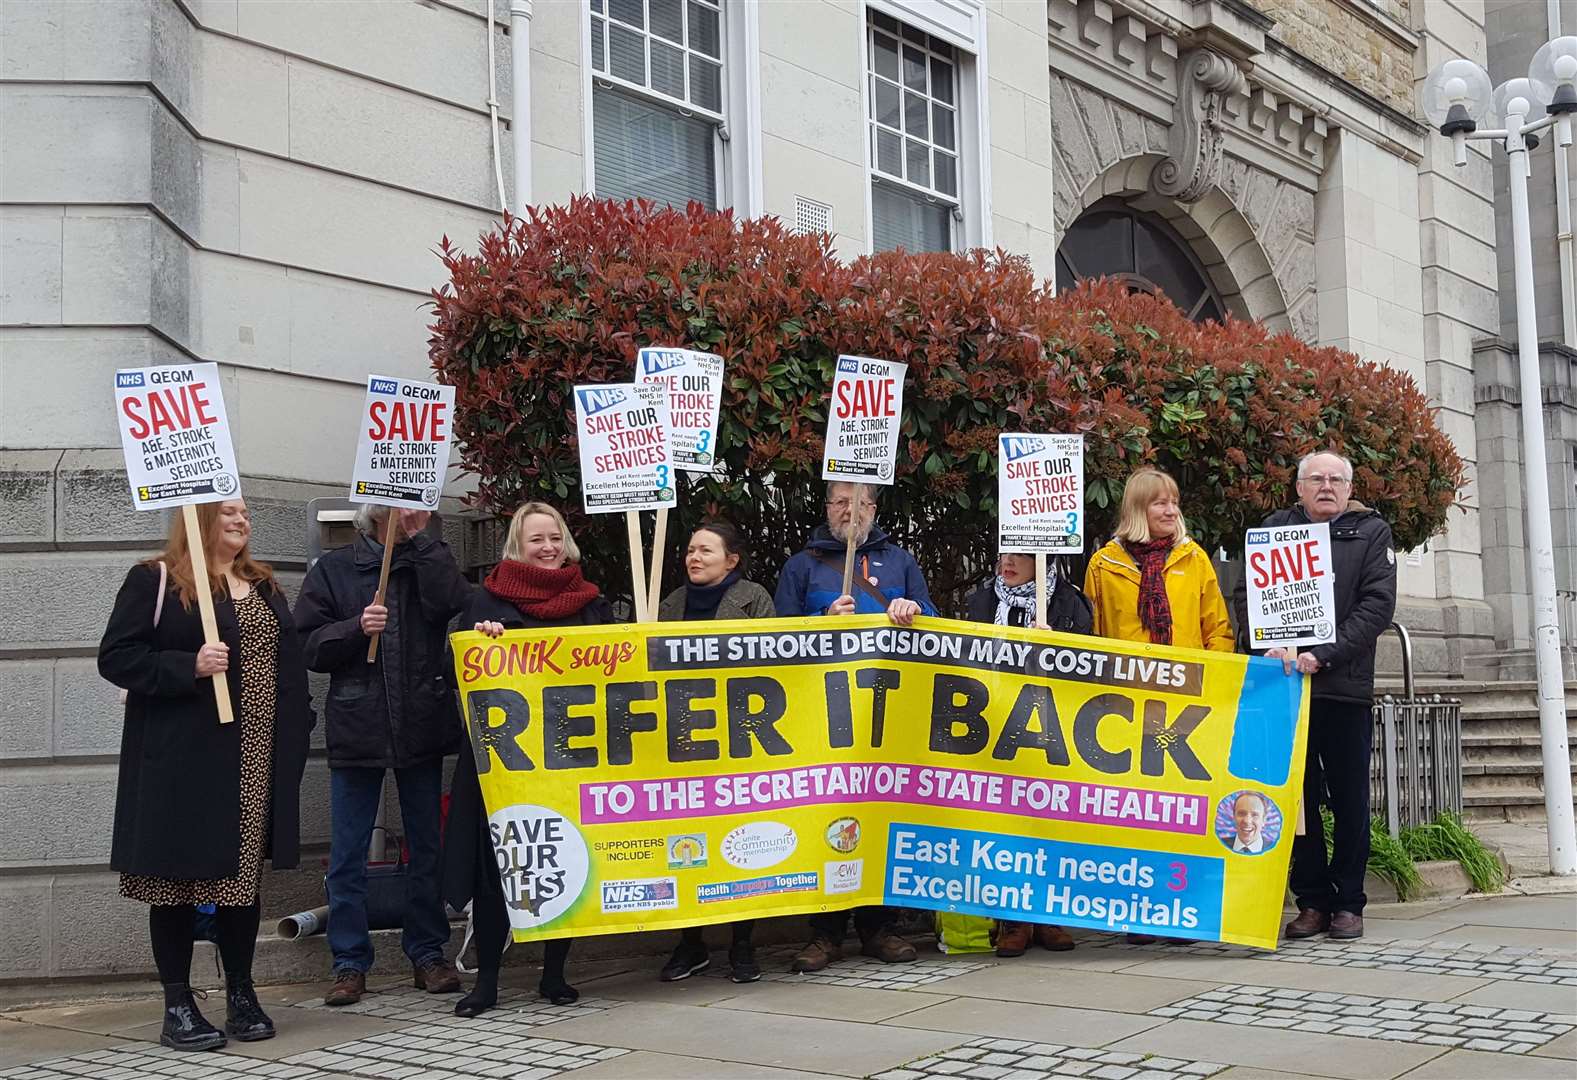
353	801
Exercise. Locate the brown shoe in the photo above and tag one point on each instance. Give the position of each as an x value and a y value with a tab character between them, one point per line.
436	977
818	952
1308	923
1345	926
348	987
888	947
1141	939
1053	938
1013	939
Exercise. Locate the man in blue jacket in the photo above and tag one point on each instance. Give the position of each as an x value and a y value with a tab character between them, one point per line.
887	579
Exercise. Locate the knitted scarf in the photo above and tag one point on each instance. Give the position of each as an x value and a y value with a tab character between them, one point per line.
701	601
1155	610
1015	596
539	592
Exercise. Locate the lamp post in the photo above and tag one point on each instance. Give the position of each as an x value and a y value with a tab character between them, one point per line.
1456	96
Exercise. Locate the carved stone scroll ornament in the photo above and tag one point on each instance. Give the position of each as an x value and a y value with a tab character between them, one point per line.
1207	79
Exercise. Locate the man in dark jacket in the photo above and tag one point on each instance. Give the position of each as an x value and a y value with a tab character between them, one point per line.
395	713
812	584
1330	892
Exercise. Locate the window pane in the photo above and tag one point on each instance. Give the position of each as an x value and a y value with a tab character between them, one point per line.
1065	275
704	33
599	62
1160	259
889	153
886	22
941	80
706	84
1209	312
914	69
668	19
900	220
918	157
884	56
946	173
884	101
915	116
911	34
627	54
596	5
646	151
668	70
942	48
942	126
1100	244
628	11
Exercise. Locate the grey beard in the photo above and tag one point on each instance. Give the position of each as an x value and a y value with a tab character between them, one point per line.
841	532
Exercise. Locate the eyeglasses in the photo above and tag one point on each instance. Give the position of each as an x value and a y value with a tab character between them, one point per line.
843	504
1320	481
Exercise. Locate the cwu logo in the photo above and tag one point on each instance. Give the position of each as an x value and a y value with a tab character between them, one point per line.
1019	446
595	399
383	386
657	361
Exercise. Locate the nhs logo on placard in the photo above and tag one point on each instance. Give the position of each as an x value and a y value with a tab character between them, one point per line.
656	361
383	386
1259	537
595	400
1017	446
851	366
128	378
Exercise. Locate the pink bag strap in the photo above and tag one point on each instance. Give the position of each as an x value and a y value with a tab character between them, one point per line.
158	605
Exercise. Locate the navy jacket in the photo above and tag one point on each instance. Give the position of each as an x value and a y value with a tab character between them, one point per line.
812	580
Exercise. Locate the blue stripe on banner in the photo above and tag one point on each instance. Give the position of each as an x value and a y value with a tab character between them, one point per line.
1267	720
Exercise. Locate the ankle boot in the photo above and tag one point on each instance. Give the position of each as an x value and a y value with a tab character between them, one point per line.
245	1020
184	1026
483	996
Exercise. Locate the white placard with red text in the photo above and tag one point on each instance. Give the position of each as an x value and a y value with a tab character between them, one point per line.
1291	586
624	454
402	451
693	382
175	436
862	420
1040	494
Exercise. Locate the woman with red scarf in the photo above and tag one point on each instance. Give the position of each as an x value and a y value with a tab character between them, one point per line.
1151	583
538	584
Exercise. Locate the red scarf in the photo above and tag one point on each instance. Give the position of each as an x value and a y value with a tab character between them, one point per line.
1155	610
539	592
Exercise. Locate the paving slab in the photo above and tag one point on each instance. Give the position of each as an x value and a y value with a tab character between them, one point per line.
1376	982
643	986
1563	1047
301	1030
1532	912
1249	1072
1048	984
1336	1055
1517	936
23	1044
1384	928
795	1042
829	1002
1481	1065
1535	997
99	1017
1022	1020
646	1065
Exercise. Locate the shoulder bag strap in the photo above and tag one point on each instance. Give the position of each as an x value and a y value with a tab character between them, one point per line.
859	579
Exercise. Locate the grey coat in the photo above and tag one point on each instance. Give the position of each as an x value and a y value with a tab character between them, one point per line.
743	600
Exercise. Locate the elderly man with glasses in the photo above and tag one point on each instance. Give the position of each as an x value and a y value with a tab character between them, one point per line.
886	579
1330	892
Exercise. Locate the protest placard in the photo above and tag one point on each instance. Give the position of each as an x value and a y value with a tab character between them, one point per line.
402	454
175	437
863	421
1040	500
625	463
1291	587
678	774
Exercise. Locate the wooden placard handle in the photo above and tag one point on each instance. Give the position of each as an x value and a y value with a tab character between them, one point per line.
383	578
638	598
205	607
1040	588
659	541
855	491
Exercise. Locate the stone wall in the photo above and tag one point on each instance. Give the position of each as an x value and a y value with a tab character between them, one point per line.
1368	44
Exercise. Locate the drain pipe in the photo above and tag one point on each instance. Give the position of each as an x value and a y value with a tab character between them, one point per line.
1563	215
520	109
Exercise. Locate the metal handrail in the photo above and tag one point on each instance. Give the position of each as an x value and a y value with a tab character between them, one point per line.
1418	757
1407	658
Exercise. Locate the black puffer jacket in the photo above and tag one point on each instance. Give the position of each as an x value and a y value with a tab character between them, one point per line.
397	711
1364	561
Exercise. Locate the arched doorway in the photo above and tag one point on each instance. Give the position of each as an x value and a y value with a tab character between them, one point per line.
1112	239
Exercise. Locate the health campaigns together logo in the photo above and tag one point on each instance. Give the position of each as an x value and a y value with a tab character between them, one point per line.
542	862
843	834
757	845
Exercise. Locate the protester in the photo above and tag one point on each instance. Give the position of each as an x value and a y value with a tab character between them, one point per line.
538	584
1151	583
199	804
1330	892
716	564
886	579
1008	599
395	713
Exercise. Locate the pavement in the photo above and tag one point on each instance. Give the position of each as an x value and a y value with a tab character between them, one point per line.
1462	988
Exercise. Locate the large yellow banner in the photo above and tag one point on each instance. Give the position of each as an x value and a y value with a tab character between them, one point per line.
672	774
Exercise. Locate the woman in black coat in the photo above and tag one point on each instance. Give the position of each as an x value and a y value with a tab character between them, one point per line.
538	584
200	804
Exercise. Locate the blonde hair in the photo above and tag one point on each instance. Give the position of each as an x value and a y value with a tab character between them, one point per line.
1142	489
517	525
177	557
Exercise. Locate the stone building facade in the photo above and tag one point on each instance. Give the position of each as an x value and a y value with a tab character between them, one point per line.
261	183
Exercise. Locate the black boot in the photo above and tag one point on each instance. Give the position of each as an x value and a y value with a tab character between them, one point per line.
245	1020
483	996
184	1026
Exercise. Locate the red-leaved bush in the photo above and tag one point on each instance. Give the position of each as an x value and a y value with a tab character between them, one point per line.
570	293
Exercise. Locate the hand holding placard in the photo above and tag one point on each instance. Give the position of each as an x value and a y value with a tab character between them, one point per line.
1040	500
862	434
1291	587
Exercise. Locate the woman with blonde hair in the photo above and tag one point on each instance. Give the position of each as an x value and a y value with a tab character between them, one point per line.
537	584
1151	583
200	804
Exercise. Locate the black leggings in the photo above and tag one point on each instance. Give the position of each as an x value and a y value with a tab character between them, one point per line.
491	922
170	927
691	935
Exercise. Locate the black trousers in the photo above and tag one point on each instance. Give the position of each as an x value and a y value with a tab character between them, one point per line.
1341	736
867	921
